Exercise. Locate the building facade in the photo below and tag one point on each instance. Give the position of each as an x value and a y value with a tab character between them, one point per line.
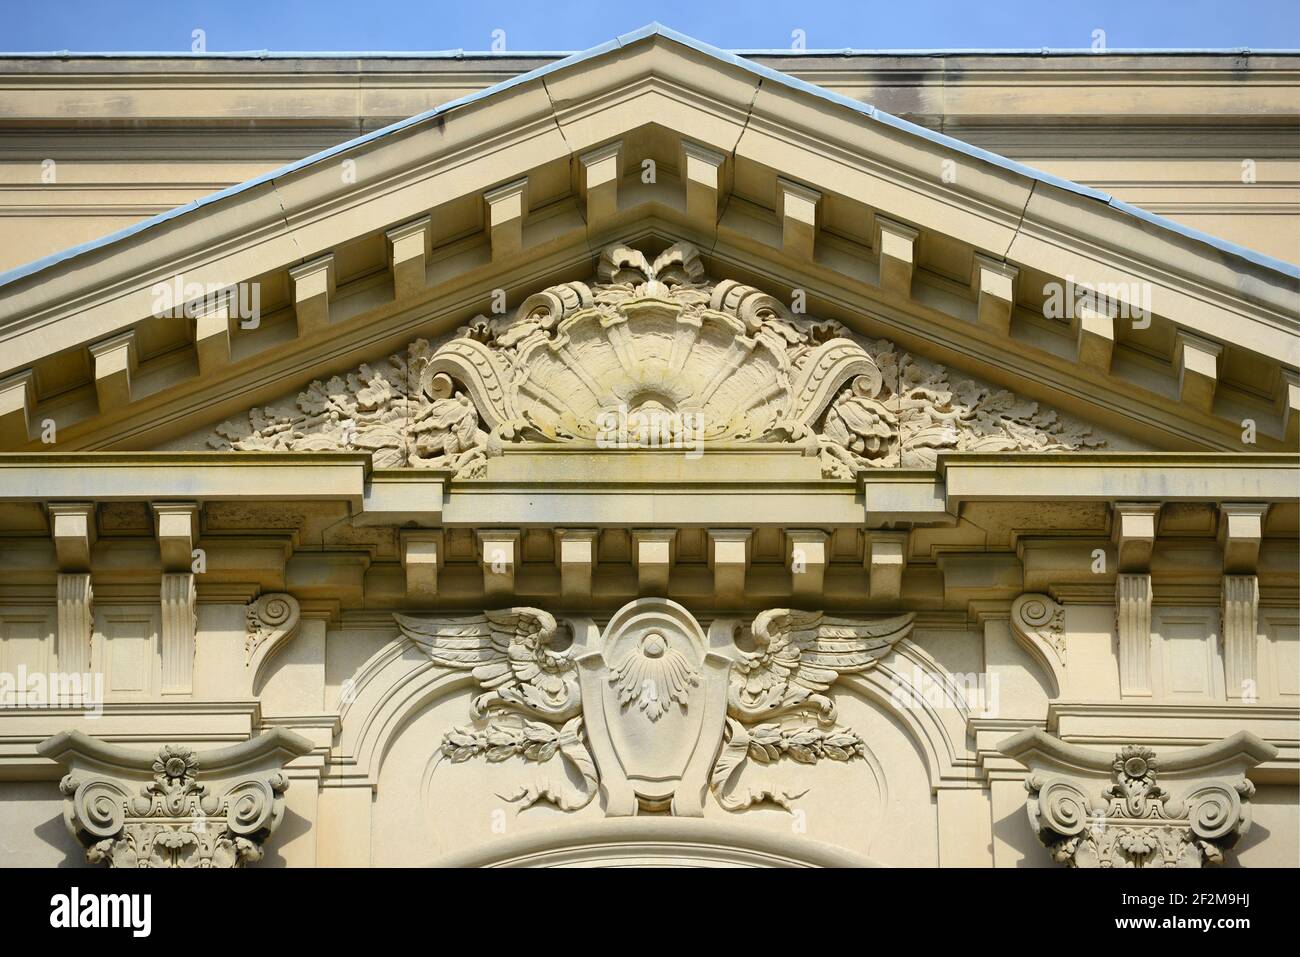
650	455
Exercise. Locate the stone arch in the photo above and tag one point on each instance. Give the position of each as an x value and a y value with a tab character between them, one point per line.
935	716
656	841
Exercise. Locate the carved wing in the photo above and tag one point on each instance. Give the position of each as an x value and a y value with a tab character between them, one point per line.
623	264
508	652
800	654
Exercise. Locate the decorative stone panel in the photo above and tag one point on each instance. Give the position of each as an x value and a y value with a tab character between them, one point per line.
653	711
653	353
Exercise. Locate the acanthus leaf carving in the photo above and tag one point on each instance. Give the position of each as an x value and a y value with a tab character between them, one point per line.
173	820
1091	811
271	622
658	346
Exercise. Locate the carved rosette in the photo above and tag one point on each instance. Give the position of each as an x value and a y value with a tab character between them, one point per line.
1185	809
130	810
652	353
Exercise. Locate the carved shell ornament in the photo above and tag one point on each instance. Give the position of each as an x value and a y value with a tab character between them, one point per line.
667	713
655	675
652	353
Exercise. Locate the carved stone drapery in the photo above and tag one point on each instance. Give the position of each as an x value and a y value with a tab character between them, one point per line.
653	353
667	710
1134	808
131	808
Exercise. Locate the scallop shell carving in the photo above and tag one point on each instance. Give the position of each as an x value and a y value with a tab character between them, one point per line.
653	353
654	342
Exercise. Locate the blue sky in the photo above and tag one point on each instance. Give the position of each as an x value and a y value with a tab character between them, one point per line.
402	25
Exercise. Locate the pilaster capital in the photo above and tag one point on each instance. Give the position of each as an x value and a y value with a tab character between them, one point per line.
132	808
1134	808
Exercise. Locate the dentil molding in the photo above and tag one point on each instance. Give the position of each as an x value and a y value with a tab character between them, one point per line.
648	354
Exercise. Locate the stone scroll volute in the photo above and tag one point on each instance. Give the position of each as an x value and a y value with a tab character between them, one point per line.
1133	807
1038	621
271	622
174	807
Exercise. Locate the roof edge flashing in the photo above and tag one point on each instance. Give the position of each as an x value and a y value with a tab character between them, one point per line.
654	30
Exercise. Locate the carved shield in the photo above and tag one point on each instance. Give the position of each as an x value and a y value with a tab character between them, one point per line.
654	699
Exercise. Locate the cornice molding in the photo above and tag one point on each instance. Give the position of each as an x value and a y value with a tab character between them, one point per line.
548	488
269	223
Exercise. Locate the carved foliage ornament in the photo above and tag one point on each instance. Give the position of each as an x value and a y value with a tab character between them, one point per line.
1133	819
1039	622
652	353
173	819
271	622
651	710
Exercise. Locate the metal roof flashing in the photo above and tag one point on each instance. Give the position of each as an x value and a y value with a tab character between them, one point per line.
1289	270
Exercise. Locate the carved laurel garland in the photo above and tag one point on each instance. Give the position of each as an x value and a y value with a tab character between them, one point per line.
673	693
670	356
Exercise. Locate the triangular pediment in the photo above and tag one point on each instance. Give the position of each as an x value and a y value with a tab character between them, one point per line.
1038	292
651	353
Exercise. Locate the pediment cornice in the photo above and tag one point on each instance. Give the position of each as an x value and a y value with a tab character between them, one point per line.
652	353
871	230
